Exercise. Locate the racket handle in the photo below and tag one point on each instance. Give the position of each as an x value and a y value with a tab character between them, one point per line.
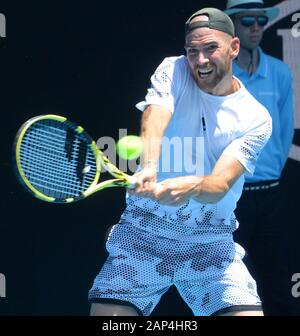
132	181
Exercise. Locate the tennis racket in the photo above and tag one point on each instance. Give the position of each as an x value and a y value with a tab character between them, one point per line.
57	161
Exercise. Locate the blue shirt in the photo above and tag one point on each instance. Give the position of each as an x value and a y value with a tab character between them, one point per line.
271	85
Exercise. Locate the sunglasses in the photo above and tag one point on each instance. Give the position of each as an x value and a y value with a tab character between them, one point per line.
248	20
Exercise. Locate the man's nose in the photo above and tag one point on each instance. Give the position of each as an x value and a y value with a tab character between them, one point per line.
202	59
255	26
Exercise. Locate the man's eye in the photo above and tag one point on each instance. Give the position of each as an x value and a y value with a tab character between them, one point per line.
192	51
212	47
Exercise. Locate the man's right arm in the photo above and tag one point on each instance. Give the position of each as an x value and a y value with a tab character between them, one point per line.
286	106
155	119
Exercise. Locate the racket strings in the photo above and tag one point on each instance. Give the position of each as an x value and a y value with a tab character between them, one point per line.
82	155
57	160
69	143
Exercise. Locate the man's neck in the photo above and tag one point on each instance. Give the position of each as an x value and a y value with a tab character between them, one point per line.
248	60
227	86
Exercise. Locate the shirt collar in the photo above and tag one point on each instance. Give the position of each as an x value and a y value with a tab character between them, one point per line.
262	69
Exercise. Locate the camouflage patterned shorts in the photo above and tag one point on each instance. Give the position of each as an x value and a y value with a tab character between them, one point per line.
141	267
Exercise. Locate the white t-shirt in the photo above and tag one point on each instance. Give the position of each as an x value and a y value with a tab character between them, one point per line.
235	125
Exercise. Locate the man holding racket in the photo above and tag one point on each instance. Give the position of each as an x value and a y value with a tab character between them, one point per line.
177	226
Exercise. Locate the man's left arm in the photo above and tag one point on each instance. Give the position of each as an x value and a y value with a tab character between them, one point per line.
204	189
239	157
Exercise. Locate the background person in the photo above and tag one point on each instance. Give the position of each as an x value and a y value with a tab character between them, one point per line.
262	210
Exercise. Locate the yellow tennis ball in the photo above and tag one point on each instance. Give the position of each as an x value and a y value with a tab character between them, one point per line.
129	147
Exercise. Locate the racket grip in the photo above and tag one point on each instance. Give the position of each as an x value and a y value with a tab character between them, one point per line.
132	181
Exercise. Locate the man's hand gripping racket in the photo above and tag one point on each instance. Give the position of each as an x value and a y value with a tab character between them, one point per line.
57	161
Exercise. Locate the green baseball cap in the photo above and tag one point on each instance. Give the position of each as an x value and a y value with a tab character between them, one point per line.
217	20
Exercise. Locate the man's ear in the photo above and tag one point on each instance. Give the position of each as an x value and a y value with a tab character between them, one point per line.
235	47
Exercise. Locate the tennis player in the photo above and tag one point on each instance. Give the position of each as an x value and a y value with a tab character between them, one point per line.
177	226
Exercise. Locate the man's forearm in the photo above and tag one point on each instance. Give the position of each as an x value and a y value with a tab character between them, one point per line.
211	189
154	122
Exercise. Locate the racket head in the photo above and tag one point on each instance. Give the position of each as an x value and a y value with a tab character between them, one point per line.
55	159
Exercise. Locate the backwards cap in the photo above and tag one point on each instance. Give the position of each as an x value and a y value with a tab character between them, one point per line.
217	20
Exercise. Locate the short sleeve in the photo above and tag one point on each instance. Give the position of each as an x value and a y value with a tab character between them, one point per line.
164	86
247	148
